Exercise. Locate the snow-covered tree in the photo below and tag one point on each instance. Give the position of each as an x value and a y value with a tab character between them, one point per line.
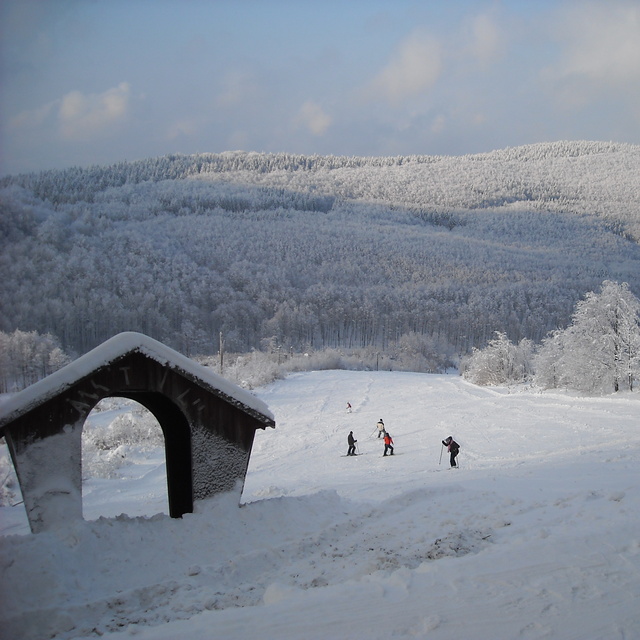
500	362
548	362
601	348
423	353
26	357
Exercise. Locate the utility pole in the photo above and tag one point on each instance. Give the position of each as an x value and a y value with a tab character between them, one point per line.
221	353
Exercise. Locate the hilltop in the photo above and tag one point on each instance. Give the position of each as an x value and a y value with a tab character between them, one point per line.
429	254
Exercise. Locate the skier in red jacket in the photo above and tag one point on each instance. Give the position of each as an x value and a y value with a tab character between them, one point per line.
388	443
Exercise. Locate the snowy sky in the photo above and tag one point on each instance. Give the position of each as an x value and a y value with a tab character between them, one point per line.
87	82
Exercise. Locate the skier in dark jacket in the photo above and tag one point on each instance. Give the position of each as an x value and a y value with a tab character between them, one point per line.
453	448
352	444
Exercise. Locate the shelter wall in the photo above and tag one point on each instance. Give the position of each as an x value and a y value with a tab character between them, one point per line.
208	438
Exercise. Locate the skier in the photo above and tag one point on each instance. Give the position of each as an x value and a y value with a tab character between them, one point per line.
453	448
388	443
348	407
380	426
352	444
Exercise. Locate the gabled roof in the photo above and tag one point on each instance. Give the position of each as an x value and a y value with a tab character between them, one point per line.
114	349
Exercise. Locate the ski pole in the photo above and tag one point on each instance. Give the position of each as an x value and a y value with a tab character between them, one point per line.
374	431
441	450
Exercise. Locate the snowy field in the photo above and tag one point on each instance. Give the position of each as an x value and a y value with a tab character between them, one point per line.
537	535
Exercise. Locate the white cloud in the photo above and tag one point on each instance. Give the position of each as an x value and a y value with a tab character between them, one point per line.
486	40
601	50
238	140
33	118
238	88
77	115
414	67
85	115
313	117
438	124
182	128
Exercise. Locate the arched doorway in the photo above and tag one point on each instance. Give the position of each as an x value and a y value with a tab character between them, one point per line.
177	446
123	461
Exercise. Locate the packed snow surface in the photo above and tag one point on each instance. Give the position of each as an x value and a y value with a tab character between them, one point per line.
536	535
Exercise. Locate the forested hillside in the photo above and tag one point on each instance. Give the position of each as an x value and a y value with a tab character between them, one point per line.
309	252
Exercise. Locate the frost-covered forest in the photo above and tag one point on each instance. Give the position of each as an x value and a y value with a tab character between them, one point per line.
598	353
310	252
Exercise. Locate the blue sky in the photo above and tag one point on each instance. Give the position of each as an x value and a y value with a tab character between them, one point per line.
100	81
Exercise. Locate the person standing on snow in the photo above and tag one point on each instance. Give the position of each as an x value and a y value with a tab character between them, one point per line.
348	407
453	448
380	426
388	444
352	444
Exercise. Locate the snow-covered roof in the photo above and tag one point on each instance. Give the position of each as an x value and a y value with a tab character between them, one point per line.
111	350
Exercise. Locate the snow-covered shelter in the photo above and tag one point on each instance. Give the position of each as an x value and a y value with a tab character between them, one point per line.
208	424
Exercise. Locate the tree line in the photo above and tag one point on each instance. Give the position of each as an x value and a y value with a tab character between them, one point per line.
599	352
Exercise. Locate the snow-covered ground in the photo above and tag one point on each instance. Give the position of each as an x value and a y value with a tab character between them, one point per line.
537	535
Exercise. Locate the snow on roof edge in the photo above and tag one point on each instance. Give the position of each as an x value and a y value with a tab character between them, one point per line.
107	352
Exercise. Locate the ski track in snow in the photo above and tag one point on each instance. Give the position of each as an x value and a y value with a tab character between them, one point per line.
535	536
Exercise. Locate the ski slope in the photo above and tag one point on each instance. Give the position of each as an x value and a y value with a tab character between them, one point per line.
536	535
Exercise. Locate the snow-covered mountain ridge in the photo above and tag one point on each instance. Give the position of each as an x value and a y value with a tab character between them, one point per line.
564	162
320	251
